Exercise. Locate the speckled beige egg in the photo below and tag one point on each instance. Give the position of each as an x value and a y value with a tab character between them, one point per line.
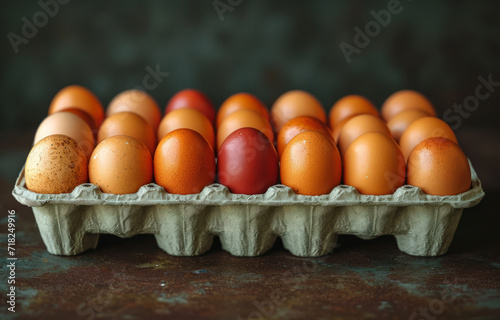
56	164
120	165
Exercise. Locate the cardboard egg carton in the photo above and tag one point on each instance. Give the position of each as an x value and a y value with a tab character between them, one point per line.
247	225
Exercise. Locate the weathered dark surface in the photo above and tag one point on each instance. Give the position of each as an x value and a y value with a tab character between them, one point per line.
361	279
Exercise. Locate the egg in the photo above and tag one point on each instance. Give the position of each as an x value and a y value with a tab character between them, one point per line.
398	124
311	164
295	103
439	167
184	162
128	124
189	119
358	125
78	97
238	102
85	116
337	129
55	164
120	165
136	101
247	162
194	99
240	119
350	106
298	125
68	124
406	100
374	164
421	129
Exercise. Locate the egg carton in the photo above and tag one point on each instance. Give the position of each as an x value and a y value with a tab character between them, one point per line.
247	225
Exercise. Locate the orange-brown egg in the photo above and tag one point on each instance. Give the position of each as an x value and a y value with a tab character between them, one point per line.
406	100
139	102
402	120
69	124
374	164
295	103
358	125
187	118
241	119
184	162
78	97
120	165
421	129
55	164
128	124
238	102
311	164
350	106
439	167
298	125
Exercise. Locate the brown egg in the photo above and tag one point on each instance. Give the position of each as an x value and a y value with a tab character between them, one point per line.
439	167
374	164
406	100
78	97
238	102
310	164
68	124
402	120
187	118
241	119
350	106
337	129
85	116
421	129
139	102
128	124
358	125
56	164
184	162
295	103
120	165
298	125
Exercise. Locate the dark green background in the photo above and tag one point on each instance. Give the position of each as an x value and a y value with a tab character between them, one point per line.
263	47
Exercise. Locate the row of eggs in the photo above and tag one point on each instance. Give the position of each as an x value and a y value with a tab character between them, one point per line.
292	144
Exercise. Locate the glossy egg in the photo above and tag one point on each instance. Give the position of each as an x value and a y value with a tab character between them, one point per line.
56	164
241	101
128	124
120	165
406	100
402	120
374	164
69	124
184	162
293	104
139	102
189	119
298	125
247	162
311	164
78	97
350	106
421	129
439	167
358	125
241	119
193	99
